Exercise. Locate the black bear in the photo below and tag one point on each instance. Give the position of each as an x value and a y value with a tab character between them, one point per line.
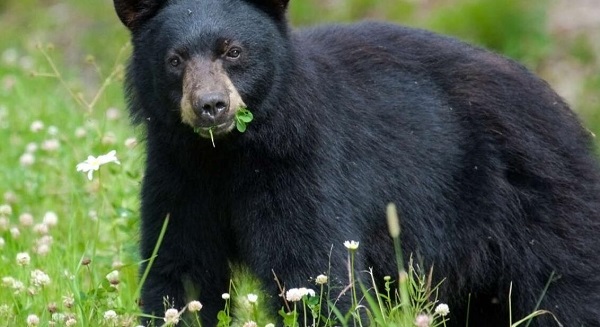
493	174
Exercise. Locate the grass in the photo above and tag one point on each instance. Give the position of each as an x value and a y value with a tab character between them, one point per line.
59	105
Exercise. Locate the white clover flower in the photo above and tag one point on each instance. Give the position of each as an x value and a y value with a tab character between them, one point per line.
46	239
442	309
252	298
194	306
5	210
4	223
50	218
110	315
68	301
171	316
351	245
10	56
80	132
117	264
31	147
308	291
23	259
52	130
33	320
42	249
270	325
321	279
225	296
92	163
113	113
18	286
131	142
26	219
50	145
59	317
40	229
422	320
39	278
109	138
70	322
249	324
15	232
113	277
27	159
7	281
296	294
36	126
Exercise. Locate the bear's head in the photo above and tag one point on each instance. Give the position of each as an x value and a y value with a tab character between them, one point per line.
195	63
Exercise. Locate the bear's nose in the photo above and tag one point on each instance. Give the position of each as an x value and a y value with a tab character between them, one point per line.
211	104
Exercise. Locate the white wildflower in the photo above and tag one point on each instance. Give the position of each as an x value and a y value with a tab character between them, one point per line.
321	279
2	242
27	159
15	232
31	147
80	132
18	286
351	245
194	306
68	301
422	320
252	298
7	281
23	259
113	113
42	249
110	315
131	142
92	163
442	309
70	322
109	138
41	229
39	278
50	145
296	294
4	223
36	126
171	316
50	218
52	130
225	296
5	210
26	219
113	277
249	324
33	320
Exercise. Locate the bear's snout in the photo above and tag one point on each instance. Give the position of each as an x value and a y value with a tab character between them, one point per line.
210	106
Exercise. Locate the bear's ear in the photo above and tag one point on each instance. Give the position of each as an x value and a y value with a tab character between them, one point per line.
275	8
135	12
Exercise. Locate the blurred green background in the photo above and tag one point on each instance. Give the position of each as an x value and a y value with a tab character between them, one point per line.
559	39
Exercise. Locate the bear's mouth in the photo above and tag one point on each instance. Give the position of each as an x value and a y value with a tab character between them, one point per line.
210	132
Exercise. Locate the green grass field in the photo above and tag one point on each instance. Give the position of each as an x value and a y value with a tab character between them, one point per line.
61	69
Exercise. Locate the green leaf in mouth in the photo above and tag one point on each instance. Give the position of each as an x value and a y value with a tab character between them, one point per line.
243	116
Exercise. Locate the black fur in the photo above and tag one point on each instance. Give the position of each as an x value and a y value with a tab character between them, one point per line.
492	173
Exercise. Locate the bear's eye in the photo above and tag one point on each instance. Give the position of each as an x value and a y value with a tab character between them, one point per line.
234	53
174	61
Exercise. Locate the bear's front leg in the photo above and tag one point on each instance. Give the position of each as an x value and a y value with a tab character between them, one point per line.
192	259
189	266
